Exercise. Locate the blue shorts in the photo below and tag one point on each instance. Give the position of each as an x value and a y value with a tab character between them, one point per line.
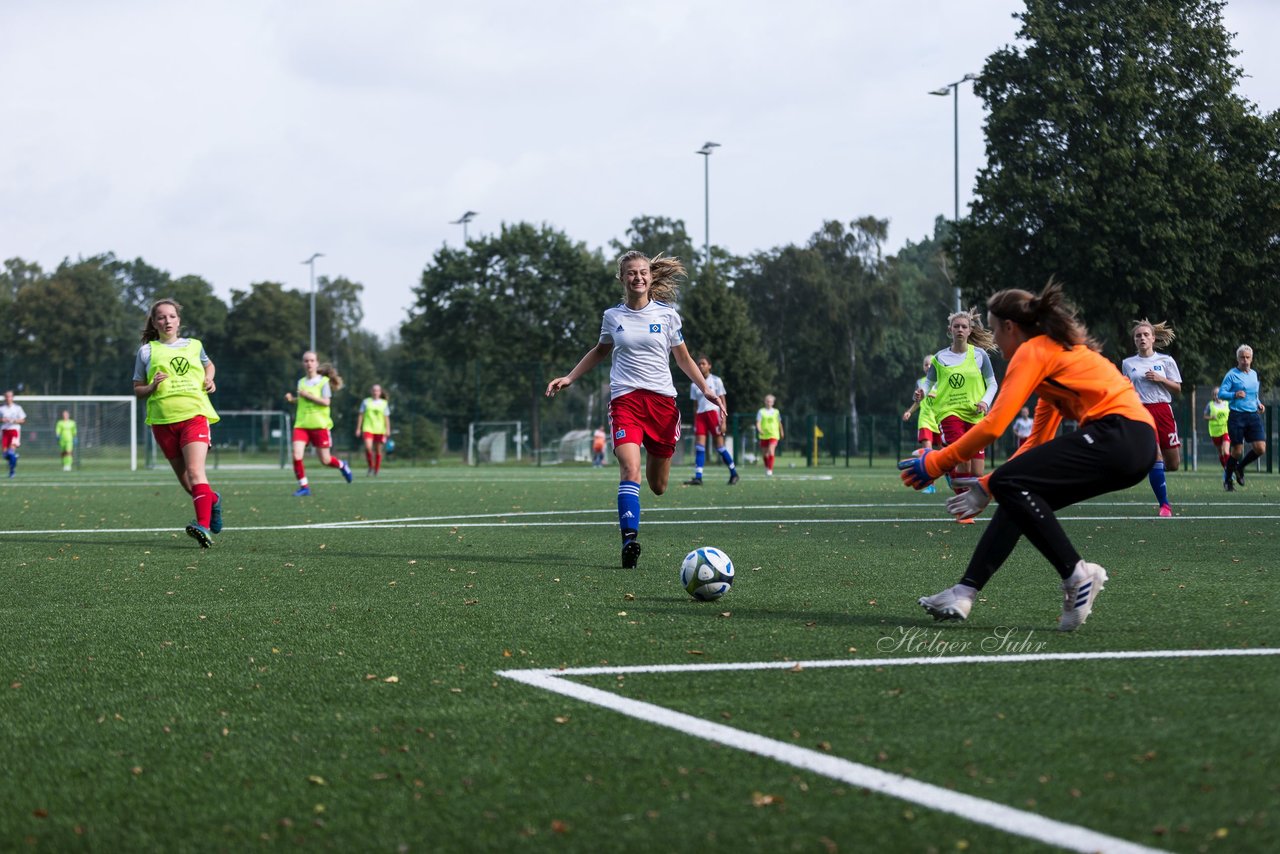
1245	427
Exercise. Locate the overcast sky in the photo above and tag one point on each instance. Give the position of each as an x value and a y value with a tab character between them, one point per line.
233	139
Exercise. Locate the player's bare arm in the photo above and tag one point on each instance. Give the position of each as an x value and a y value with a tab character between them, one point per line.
594	356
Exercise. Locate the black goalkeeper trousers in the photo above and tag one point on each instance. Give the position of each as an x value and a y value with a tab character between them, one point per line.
1106	455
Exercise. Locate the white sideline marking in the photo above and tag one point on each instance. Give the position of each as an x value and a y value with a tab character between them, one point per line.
978	810
517	520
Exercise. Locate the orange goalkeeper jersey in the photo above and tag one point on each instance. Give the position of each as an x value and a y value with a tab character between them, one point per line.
1075	383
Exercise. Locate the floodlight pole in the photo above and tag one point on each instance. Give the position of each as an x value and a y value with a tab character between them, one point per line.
311	262
953	89
462	221
705	151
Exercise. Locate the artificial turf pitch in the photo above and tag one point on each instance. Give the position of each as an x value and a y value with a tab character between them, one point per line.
332	673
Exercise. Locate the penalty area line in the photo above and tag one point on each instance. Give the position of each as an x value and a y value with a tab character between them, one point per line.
1014	821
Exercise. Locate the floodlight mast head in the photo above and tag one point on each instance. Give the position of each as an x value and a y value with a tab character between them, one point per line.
462	221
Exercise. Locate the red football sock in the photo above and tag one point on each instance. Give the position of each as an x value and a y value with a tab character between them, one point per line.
377	462
202	497
335	462
299	470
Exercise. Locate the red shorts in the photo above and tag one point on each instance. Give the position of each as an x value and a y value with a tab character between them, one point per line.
924	434
1222	441
645	418
172	438
10	438
317	437
380	438
707	423
1166	427
953	427
767	445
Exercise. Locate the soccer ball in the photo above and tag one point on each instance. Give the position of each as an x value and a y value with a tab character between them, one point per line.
706	574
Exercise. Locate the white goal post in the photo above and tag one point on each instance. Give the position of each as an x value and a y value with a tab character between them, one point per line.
106	426
494	441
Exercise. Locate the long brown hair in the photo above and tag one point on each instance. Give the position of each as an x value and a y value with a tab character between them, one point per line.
979	335
664	274
149	332
1161	332
1047	314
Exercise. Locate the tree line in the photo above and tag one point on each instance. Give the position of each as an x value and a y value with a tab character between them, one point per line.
1120	160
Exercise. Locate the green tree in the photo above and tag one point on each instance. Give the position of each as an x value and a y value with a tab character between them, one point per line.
268	330
823	310
73	333
718	323
1121	160
491	322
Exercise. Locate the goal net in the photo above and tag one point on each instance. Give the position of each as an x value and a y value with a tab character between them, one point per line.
494	442
241	438
106	430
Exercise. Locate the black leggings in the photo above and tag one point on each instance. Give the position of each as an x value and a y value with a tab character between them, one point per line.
1106	455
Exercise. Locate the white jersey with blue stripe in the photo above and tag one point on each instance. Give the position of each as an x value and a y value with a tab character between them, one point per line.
642	341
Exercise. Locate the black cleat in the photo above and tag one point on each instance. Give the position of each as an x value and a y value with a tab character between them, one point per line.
1239	475
733	478
697	481
630	554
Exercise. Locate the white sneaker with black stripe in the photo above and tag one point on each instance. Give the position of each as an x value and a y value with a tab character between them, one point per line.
1078	593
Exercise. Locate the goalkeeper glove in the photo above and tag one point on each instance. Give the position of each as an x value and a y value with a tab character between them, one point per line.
972	501
913	471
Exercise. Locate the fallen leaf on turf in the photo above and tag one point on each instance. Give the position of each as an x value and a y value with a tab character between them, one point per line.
726	613
369	676
392	679
562	719
506	653
695	652
558	826
316	780
40	813
760	799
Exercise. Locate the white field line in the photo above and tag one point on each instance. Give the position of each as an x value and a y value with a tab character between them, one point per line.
991	814
525	519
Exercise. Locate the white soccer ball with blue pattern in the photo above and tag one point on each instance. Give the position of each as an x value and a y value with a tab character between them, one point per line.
706	574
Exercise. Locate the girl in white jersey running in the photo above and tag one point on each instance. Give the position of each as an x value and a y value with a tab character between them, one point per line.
1155	377
642	333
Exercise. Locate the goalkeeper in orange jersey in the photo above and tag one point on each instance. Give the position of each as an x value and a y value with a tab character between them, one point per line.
1052	356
